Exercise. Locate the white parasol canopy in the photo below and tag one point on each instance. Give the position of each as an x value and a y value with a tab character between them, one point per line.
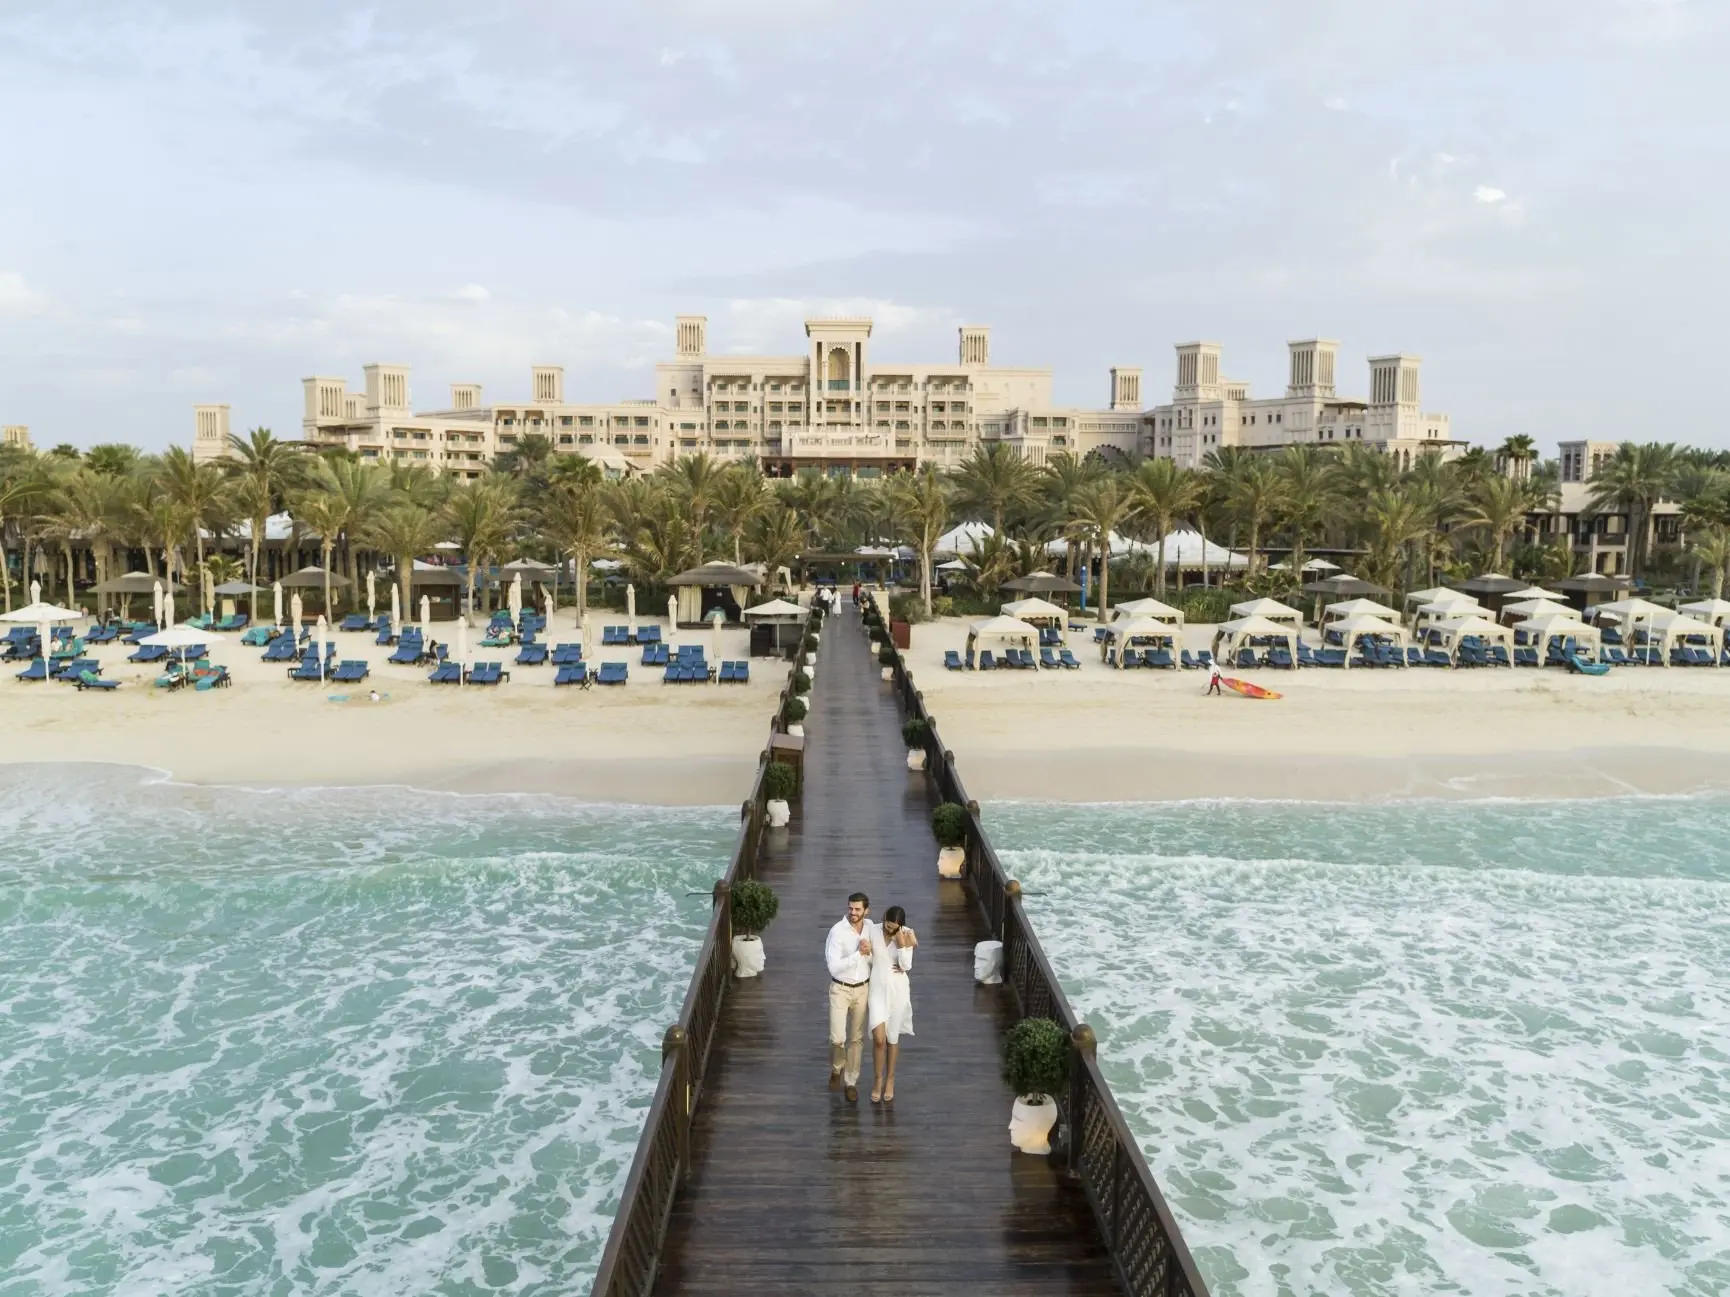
1034	610
181	637
372	594
276	598
631	609
42	612
776	608
461	650
1356	608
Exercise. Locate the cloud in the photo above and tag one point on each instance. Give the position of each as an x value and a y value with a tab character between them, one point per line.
471	293
1489	194
1335	103
17	297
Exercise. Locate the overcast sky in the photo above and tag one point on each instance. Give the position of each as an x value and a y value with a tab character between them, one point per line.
203	201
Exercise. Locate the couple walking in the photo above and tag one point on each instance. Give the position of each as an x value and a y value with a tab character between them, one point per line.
869	987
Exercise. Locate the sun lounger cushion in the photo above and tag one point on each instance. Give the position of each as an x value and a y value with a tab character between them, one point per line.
572	673
446	673
952	660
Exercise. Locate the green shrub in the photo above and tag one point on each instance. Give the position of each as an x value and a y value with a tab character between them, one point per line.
801	682
754	906
909	608
943	606
1036	1057
914	733
796	710
809	645
886	655
780	782
949	824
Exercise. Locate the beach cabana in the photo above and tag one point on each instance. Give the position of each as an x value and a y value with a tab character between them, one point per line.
1714	611
1042	583
1271	609
1150	608
777	627
1532	592
1241	632
701	590
965	539
1004	632
1356	608
1344	586
1672	628
1451	605
1492	583
1035	612
1562	626
1626	614
1447	635
1139	632
1347	631
1529	609
1314	565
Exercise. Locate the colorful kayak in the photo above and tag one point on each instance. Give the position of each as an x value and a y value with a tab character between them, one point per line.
1245	688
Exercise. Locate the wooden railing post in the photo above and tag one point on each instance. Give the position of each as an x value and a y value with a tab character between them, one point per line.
723	901
673	1045
1085	1045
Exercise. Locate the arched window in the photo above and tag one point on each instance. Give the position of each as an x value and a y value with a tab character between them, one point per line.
840	366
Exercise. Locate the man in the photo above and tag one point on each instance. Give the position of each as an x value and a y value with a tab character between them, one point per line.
1213	676
848	954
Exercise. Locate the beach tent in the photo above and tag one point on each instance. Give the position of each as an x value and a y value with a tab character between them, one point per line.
1451	605
1529	609
1349	630
1672	628
1149	608
1314	565
1233	635
1438	594
1008	631
1564	626
1127	632
1356	608
1344	584
1448	633
717	584
1533	592
1492	583
1707	610
1626	613
1034	611
953	565
1187	550
965	539
1042	583
1272	609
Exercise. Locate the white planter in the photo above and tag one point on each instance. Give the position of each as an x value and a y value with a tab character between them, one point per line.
988	963
950	862
815	637
888	673
748	956
810	660
779	812
916	758
797	731
1030	1123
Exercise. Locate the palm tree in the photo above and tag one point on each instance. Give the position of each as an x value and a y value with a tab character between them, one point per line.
361	492
576	520
776	536
993	481
269	470
1307	499
1255	494
324	513
924	507
112	459
1062	477
1100	510
481	517
199	489
1515	455
695	480
1164	494
1712	552
405	530
1633	480
1498	508
1393	520
740	497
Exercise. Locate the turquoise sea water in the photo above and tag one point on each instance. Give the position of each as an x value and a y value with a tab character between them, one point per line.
363	1041
1419	1049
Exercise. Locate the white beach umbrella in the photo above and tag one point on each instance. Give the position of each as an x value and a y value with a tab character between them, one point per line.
182	638
209	591
40	612
294	616
156	604
715	620
548	602
372	595
515	597
461	652
395	607
276	599
425	612
318	639
168	608
631	609
672	616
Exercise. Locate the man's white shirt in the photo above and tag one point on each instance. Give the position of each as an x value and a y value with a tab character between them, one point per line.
841	951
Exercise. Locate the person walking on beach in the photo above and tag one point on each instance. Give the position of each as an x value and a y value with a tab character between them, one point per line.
889	1004
1213	677
848	955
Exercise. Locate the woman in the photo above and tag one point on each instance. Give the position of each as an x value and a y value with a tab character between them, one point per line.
889	1006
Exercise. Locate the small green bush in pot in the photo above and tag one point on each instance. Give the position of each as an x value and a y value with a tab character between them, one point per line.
797	711
754	908
801	682
780	782
949	824
914	733
1036	1059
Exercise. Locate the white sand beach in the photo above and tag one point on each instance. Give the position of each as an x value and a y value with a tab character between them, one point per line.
1098	734
644	742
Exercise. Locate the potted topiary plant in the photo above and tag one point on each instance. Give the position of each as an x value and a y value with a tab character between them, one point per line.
913	734
949	827
801	681
886	657
1036	1065
780	782
754	908
796	713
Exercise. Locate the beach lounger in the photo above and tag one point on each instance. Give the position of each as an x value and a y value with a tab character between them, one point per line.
1436	658
532	655
37	670
648	634
1612	636
386	632
234	622
68	670
504	639
487	673
350	671
355	621
613	673
1330	657
307	670
673	675
1068	660
281	649
987	660
90	680
1276	657
1187	660
1526	657
613	635
148	653
174	679
565	655
1246	657
951	660
1047	659
725	674
103	634
969	662
1099	634
446	673
200	622
408	654
1131	658
742	673
259	636
572	673
1499	656
1617	656
655	655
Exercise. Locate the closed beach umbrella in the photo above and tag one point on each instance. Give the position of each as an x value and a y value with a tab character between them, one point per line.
672	616
45	639
631	609
547	597
514	597
715	620
318	639
168	609
156	603
294	607
425	612
462	647
276	598
371	595
395	607
36	586
209	593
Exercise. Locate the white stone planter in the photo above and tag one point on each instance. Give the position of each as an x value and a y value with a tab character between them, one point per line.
951	861
815	637
778	811
916	758
988	963
797	731
1030	1123
888	673
748	956
810	660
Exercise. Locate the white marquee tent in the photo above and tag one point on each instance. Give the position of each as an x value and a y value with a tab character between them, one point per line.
1709	610
1349	630
1233	635
1446	635
1530	609
965	539
1034	611
1271	609
1564	626
1010	632
1673	628
1149	608
1357	608
1135	632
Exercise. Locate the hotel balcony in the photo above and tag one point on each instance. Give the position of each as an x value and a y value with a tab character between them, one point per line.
811	444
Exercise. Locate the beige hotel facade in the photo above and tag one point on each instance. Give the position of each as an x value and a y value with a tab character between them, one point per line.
833	408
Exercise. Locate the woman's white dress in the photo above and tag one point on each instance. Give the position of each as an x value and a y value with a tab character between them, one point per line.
890	1001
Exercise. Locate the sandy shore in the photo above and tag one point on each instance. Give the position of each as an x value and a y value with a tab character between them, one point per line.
645	742
1098	734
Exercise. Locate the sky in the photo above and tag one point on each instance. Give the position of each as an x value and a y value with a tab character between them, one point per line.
207	202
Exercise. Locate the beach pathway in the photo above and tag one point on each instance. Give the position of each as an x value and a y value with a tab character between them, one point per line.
794	1190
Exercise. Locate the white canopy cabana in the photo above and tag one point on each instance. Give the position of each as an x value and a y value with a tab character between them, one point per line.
1233	635
1034	611
1672	628
1451	606
1009	631
1187	551
1271	609
1531	609
1436	594
1625	612
1532	592
1357	608
1448	633
1349	630
964	539
1540	630
1707	610
1131	632
1314	565
776	608
1149	608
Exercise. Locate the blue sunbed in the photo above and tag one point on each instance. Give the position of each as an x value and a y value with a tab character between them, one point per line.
487	673
613	673
952	660
37	670
90	680
307	670
987	661
1048	659
1068	659
408	653
446	673
572	673
350	671
532	655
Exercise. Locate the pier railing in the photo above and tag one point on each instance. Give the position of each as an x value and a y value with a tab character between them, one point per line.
663	1158
1146	1245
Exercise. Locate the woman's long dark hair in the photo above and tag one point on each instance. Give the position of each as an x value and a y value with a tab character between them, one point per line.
896	915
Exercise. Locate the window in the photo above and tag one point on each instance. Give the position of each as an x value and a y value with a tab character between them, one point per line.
901	407
509	422
901	425
1037	422
741	407
721	425
937	407
795	407
585	420
774	387
642	421
774	407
